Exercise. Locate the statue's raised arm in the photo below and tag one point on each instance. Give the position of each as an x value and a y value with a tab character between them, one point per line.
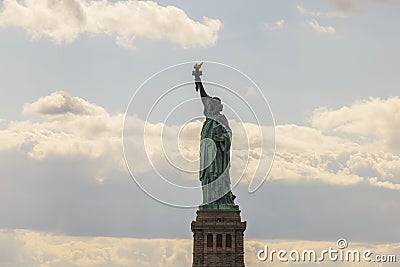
199	86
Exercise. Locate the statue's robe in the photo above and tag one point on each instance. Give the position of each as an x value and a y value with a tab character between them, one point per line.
215	146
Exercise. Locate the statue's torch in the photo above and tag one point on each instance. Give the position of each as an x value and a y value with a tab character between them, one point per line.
197	73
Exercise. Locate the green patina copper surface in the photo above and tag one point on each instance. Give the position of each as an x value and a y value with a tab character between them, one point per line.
215	144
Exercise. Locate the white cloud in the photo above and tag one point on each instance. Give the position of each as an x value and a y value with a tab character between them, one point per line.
279	24
322	29
384	184
372	126
343	147
67	127
30	248
61	103
63	21
305	153
370	120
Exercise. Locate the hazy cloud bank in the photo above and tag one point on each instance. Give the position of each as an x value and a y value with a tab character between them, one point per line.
344	146
38	249
62	170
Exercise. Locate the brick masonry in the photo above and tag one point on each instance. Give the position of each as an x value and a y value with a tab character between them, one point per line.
220	227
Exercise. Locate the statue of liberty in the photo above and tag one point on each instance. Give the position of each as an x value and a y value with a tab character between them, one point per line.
215	144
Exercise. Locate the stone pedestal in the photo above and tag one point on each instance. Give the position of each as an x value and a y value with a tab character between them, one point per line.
218	239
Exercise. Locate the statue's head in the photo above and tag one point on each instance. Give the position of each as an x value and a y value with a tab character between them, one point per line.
217	105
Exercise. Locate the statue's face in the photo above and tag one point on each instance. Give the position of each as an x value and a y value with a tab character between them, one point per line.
217	106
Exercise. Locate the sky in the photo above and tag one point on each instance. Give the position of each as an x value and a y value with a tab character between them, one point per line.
320	76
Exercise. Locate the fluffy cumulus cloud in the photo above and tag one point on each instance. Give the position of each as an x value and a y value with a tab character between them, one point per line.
353	144
61	103
350	145
63	21
64	126
305	153
29	248
368	120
